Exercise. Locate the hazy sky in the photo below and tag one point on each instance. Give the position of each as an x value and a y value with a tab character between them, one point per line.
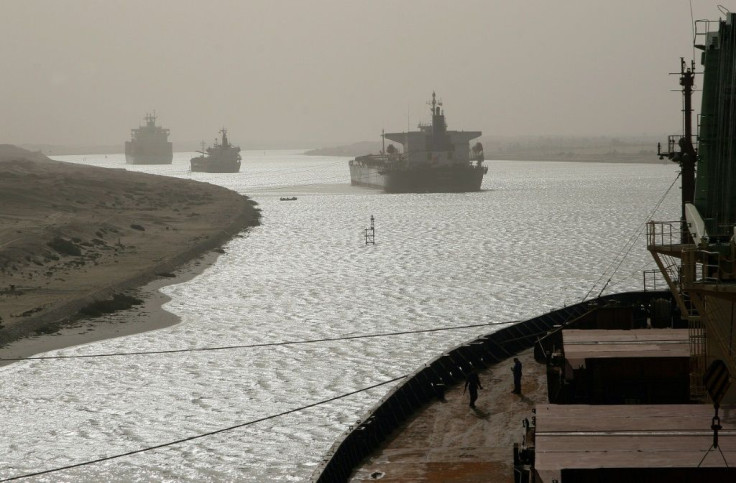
318	72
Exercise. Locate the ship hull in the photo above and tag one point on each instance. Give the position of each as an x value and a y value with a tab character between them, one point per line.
200	165
448	179
429	381
137	154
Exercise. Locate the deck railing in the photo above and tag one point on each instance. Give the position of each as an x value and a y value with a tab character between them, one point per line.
429	382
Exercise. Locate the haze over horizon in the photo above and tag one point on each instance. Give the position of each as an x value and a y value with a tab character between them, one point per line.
309	74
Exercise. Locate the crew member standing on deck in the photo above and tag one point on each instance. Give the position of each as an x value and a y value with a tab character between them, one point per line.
472	384
517	375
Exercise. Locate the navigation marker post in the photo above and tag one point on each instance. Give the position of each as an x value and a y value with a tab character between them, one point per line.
370	233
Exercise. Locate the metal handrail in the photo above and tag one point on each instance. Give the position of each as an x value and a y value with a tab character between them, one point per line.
663	233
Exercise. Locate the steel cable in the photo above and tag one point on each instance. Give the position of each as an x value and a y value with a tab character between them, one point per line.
202	435
628	246
249	346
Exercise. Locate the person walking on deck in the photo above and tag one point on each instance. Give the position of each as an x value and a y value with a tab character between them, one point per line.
472	384
517	375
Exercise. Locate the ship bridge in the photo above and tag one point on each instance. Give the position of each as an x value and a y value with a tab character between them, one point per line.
434	142
418	138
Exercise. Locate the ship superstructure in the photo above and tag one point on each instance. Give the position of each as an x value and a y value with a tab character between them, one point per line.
433	160
697	254
149	144
221	157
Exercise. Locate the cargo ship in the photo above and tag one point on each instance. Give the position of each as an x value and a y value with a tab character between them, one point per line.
433	160
221	157
634	386
149	144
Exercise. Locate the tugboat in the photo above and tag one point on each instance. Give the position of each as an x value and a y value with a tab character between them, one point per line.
434	160
222	157
149	144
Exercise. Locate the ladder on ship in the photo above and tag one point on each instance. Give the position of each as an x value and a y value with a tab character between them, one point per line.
661	243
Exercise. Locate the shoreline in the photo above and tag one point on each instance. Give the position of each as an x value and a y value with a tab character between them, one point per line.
74	238
144	317
69	312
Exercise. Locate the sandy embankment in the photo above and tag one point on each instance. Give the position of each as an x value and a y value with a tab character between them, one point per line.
73	235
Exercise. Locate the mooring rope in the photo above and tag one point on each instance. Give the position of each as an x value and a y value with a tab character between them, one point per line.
629	245
250	346
202	435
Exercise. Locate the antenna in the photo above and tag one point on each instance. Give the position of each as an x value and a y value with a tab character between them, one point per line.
692	24
408	124
692	18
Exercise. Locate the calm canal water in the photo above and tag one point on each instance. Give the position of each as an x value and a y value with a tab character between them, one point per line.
539	236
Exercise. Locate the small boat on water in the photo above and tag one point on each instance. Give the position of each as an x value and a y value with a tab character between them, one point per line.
221	157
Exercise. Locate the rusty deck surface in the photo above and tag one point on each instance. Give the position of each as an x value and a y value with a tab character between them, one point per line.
448	441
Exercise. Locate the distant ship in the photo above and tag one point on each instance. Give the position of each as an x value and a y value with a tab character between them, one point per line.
149	144
222	157
434	160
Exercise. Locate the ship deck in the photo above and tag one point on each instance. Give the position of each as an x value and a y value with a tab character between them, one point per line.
606	439
447	441
636	343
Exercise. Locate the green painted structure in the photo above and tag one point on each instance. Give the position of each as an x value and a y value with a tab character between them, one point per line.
715	185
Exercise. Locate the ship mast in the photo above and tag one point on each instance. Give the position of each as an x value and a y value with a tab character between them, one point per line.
151	119
687	155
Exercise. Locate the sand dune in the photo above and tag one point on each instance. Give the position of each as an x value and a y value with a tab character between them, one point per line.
72	235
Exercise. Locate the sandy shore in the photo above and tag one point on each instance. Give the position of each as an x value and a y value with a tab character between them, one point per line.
74	236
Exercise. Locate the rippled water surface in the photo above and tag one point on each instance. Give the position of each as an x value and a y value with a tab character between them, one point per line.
539	236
